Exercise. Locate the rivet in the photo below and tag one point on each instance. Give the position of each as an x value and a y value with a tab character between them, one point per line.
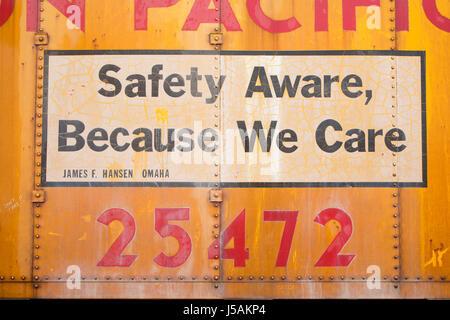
216	236
363	278
23	278
216	267
395	267
36	277
443	278
38	226
395	257
216	286
331	278
216	257
342	277
37	236
206	278
391	9
283	277
216	215
216	226
310	277
430	278
36	267
395	236
395	206
240	278
36	286
194	278
216	29
418	278
38	195
272	278
396	286
181	277
406	278
299	278
2	278
37	215
395	215
230	278
320	278
216	278
394	195
395	226
13	278
395	246
36	257
261	278
169	278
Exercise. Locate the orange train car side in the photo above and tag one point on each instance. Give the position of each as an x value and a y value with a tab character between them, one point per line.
224	149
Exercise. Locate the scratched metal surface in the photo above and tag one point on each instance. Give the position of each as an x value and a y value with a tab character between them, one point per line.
411	234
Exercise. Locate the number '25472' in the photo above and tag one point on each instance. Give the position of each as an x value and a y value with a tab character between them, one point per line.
236	229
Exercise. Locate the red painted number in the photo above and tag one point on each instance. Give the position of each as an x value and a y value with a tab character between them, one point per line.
114	257
239	253
331	256
290	219
162	226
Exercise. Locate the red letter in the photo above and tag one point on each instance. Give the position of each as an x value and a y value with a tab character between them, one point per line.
321	15
201	14
6	8
433	14
401	15
33	15
62	6
268	24
140	10
348	11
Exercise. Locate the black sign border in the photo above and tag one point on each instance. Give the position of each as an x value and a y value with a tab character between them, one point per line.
393	184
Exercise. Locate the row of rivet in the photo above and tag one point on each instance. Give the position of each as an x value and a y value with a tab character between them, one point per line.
38	148
396	229
217	125
216	278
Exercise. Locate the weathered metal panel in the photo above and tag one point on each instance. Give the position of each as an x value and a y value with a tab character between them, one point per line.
276	229
424	213
17	69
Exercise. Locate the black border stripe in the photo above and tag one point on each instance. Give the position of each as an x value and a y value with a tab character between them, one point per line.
154	184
